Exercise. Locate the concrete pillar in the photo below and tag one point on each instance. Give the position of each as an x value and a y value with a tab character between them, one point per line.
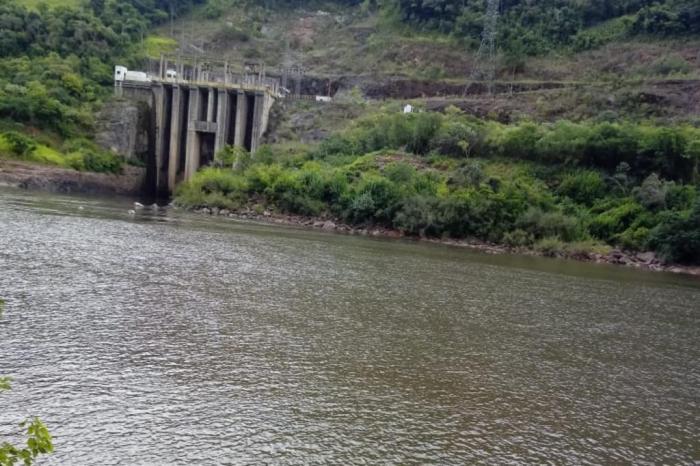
160	106
192	148
241	120
211	95
223	124
176	120
258	110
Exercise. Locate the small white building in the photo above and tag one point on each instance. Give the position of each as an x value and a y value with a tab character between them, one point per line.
408	108
323	98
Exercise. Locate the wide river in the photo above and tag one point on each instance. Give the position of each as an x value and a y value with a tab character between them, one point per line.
167	338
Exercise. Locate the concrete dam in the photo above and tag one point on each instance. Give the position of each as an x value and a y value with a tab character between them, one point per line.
194	111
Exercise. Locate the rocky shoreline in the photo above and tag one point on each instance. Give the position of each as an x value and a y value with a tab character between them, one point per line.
639	260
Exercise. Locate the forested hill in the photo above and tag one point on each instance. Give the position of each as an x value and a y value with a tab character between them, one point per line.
535	27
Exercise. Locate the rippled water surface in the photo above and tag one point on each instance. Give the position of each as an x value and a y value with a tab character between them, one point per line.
167	339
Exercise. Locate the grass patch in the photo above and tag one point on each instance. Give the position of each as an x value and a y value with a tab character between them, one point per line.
154	46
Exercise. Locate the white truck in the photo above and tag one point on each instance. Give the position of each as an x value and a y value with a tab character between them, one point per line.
122	74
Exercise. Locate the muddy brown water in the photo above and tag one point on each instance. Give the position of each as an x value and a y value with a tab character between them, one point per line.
164	338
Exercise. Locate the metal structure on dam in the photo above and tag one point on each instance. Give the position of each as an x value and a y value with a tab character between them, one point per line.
197	107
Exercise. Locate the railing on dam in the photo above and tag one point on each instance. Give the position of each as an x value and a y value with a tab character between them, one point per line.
207	71
199	72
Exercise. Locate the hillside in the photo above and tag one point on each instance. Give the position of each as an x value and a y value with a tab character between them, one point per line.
345	49
589	142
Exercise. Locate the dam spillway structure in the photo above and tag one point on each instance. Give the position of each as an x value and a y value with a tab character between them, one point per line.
197	107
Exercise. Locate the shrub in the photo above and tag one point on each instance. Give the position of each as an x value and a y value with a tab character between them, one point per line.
454	138
608	224
19	144
584	187
470	174
551	247
400	172
652	193
417	216
232	157
518	238
634	238
99	162
670	64
549	224
520	141
564	142
374	199
677	237
213	187
337	144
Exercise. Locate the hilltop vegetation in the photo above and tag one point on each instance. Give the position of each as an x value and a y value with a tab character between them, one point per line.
537	27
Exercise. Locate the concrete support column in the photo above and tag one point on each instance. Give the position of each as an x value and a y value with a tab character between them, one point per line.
176	120
241	120
258	110
160	106
192	149
222	121
211	95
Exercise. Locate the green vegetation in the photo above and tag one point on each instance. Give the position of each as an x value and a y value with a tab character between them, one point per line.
154	46
565	186
56	64
79	154
537	27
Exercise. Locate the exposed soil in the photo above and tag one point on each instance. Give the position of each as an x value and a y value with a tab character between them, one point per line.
62	180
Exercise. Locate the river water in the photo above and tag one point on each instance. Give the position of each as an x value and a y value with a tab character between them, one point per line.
168	339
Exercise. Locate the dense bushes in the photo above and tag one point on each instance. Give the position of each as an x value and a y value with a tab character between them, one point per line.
669	151
677	237
563	186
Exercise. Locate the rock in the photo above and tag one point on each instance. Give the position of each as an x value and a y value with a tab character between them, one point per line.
122	127
647	257
224	212
138	205
328	225
206	211
266	213
318	224
215	211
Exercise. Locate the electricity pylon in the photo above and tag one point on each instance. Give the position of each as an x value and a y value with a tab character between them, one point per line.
484	68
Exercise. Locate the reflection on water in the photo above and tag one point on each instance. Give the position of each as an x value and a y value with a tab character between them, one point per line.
162	338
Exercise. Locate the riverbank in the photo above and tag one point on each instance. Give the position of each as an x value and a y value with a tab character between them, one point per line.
640	260
64	180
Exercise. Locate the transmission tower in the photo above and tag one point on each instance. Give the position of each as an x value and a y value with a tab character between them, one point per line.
484	68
